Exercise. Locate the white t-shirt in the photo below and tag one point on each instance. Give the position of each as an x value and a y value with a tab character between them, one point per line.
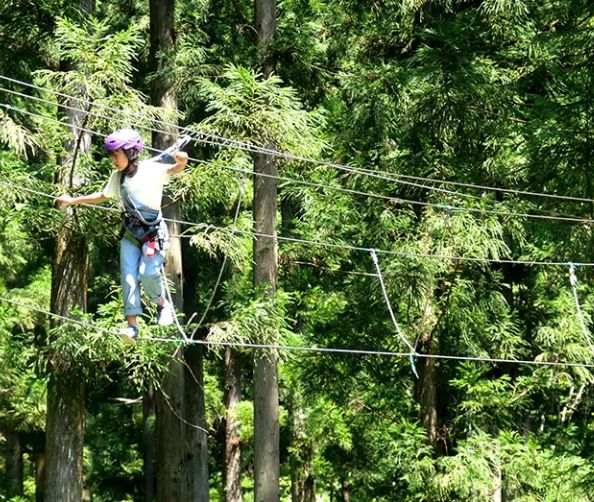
145	187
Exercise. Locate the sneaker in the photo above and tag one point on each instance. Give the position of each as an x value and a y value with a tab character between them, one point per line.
165	315
129	334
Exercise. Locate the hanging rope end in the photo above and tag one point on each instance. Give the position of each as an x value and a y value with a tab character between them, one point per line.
412	358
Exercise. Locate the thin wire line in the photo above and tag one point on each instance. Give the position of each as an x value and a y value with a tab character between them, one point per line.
574	281
388	304
392	316
180	418
484	187
334	271
228	143
445	207
69	320
365	171
230	168
331	245
326	350
220	276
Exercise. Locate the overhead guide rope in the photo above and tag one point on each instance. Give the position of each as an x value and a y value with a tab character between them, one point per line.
331	245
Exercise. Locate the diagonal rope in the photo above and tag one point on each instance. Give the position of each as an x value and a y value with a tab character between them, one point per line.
172	305
222	269
392	316
574	282
228	142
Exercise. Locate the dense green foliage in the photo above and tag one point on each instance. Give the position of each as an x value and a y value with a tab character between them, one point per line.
497	93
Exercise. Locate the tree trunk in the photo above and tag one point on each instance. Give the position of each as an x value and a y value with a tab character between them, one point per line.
427	398
170	435
346	490
265	20
426	391
66	390
232	444
40	477
172	477
14	464
266	427
197	437
266	407
148	439
65	435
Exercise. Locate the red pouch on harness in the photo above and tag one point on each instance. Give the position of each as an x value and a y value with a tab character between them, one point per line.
150	248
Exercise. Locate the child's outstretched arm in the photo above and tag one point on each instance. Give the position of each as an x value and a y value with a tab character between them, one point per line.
181	159
94	198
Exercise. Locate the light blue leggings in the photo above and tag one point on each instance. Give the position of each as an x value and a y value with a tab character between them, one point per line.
137	269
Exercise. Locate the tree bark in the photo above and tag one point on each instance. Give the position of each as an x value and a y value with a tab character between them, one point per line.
266	406
170	435
66	390
428	398
265	21
14	464
197	437
232	444
65	436
40	477
148	440
65	395
173	478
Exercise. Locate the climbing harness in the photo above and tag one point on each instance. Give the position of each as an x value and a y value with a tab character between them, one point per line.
150	233
146	228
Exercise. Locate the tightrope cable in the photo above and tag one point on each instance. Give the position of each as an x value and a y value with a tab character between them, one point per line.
323	350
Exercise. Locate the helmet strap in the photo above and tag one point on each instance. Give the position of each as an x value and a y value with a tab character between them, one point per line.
132	166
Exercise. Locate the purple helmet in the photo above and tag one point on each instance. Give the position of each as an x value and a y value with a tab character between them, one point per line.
127	139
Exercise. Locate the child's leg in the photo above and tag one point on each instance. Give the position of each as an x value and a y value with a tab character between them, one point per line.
129	266
150	277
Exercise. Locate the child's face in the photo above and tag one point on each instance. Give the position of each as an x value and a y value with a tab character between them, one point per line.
119	159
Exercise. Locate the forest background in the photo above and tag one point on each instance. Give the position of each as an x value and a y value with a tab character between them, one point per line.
454	117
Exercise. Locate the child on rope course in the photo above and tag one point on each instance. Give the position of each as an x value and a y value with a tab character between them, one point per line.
138	186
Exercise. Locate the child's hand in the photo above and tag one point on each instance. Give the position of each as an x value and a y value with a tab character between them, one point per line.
181	158
64	200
